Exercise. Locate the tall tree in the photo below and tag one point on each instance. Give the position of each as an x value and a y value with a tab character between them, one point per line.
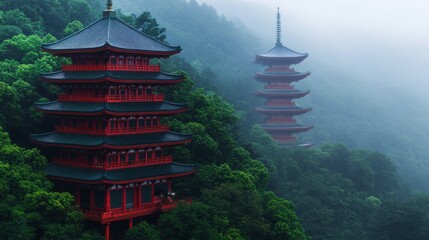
147	24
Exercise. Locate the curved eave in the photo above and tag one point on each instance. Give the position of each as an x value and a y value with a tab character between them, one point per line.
280	54
140	174
82	141
278	94
101	109
110	113
106	47
106	76
266	60
112	80
291	111
110	33
288	129
281	76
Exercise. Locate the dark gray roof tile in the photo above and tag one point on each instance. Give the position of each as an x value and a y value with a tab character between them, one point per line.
280	54
86	174
101	107
110	32
96	141
121	75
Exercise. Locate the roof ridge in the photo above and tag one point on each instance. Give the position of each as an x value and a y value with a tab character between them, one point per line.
108	31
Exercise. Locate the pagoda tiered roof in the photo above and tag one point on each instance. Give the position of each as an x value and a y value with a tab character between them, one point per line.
288	76
283	93
100	108
279	91
295	110
280	54
118	175
110	33
113	142
108	123
111	76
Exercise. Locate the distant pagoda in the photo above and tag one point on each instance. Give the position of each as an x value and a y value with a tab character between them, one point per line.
110	149
280	107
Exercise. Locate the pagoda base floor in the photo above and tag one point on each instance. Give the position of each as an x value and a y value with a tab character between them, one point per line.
114	225
158	206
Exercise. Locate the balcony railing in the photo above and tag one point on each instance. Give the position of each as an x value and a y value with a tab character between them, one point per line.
158	205
279	69
83	162
281	121
149	97
280	104
285	139
275	86
110	98
140	68
102	216
111	132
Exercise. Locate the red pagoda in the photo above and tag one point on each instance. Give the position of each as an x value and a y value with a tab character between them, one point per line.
110	149
280	107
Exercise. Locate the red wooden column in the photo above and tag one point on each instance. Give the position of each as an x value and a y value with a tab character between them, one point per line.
124	198
107	203
92	199
153	190
139	196
169	185
108	122
130	225
107	231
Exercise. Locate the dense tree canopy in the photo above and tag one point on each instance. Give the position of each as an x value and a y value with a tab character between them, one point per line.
22	62
246	187
48	16
28	207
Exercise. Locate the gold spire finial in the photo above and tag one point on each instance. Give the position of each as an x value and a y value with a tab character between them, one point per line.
109	5
109	10
279	28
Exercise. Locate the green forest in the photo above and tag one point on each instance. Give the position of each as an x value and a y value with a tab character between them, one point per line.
246	187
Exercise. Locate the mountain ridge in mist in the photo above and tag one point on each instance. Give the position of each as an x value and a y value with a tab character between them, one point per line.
354	100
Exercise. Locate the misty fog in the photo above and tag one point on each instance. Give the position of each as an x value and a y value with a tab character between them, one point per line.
371	55
368	63
385	39
153	121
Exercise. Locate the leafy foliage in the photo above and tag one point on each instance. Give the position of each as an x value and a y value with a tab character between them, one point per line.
53	15
73	27
28	207
402	220
146	24
337	193
22	62
14	22
142	231
335	190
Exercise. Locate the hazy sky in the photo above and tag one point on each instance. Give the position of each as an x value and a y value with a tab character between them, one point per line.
381	17
389	40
